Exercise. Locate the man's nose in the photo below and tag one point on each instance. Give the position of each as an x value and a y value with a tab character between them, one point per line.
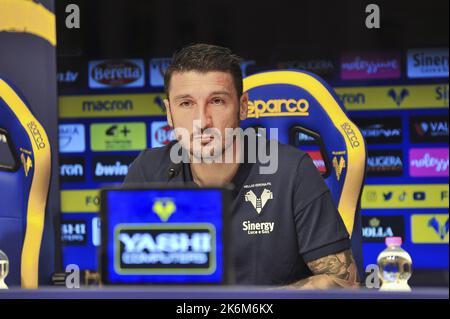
204	116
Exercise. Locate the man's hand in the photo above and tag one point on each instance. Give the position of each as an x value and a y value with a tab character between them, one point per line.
331	272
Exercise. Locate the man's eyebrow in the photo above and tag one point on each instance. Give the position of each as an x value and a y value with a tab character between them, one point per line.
182	96
221	93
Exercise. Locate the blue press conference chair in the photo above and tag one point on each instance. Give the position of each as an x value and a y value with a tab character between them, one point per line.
25	162
297	100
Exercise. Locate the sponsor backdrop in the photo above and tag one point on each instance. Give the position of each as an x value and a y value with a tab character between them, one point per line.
111	109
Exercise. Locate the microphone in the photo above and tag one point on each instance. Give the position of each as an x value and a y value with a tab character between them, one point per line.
173	171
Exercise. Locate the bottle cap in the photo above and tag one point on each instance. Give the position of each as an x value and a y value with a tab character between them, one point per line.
393	241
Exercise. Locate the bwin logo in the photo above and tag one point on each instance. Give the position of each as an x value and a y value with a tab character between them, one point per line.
398	97
117	169
441	230
258	203
164	208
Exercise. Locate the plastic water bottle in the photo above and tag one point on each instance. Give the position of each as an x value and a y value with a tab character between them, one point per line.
394	266
4	269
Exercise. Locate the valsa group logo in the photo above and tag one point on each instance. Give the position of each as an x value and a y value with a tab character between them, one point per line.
116	73
428	129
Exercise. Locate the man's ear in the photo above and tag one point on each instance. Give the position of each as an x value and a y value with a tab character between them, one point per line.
244	106
168	112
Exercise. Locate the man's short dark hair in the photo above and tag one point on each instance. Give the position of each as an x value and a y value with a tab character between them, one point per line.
205	58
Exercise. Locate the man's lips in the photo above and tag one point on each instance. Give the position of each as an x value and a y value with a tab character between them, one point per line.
204	138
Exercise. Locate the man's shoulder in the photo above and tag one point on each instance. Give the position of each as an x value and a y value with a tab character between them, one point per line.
290	155
156	155
150	165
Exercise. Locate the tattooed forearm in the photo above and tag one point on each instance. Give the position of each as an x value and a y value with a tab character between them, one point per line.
333	271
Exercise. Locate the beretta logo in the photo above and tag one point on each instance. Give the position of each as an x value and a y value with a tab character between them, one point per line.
71	169
111	168
428	129
375	131
385	163
377	228
116	73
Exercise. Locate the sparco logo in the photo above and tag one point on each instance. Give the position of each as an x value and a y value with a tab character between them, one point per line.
116	73
158	250
278	107
351	135
37	137
107	106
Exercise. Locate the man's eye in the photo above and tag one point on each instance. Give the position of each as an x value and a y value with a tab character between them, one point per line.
186	104
217	101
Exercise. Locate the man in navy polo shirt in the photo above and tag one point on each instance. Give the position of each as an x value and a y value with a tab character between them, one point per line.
286	229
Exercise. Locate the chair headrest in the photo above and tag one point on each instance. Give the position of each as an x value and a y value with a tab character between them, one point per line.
296	98
24	185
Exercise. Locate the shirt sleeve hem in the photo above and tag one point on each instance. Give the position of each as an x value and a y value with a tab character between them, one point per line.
326	250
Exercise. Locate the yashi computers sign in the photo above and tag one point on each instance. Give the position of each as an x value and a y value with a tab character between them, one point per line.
165	249
163	235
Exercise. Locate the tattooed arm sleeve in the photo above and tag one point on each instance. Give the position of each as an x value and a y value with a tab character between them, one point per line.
331	272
